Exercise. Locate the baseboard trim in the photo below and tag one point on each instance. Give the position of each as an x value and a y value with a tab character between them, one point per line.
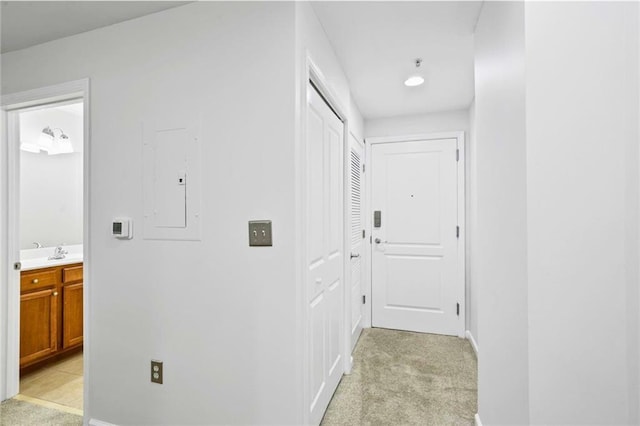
473	342
477	419
95	422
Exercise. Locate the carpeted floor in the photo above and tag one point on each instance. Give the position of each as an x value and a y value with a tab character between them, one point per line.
399	378
20	413
403	378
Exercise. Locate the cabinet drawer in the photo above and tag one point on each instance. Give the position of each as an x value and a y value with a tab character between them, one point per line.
38	279
71	274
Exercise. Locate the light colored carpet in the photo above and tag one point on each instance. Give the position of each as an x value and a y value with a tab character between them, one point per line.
20	413
403	378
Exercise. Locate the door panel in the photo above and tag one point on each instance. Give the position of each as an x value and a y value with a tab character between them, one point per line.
317	352
38	325
315	186
72	333
356	186
325	255
414	254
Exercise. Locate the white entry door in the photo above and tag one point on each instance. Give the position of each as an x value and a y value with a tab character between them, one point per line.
325	230
356	217
415	285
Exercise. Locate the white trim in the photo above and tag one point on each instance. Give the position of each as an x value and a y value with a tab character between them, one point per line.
459	136
311	72
9	193
48	404
473	342
462	237
11	340
96	422
477	420
44	95
418	137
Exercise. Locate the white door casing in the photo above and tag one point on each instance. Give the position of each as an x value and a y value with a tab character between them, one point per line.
356	220
325	253
9	201
416	280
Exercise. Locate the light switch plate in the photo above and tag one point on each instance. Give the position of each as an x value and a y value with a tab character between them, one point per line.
260	233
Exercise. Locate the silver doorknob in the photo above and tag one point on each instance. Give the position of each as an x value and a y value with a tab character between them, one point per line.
378	240
355	255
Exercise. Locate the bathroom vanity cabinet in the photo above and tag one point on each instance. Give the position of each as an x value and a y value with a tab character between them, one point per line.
50	313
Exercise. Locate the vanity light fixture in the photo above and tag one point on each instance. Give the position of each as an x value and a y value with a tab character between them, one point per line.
45	141
415	79
61	145
29	147
50	143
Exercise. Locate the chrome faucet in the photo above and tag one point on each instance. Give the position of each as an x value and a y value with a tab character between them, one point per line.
59	253
37	244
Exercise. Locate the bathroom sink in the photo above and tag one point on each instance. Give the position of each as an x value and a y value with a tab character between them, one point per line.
39	258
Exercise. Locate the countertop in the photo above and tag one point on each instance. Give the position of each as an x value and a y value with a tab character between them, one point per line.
39	258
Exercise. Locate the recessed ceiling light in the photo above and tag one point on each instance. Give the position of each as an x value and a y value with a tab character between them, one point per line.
415	80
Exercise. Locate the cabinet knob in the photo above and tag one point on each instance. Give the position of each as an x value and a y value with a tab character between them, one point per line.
35	281
55	293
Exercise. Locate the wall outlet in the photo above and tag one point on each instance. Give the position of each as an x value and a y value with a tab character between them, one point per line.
156	371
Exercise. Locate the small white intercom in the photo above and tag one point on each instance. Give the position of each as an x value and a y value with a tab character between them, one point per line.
122	228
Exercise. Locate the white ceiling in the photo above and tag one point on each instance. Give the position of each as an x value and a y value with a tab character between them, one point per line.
377	43
27	23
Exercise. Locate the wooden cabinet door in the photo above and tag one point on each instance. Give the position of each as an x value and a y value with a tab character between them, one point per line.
38	325
72	315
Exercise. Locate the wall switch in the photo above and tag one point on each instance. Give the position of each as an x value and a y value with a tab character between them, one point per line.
156	371
260	233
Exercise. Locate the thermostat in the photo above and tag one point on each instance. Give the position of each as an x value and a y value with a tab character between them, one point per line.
122	228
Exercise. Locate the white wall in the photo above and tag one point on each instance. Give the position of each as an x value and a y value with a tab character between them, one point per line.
500	250
471	213
582	198
413	124
4	254
50	185
221	315
570	129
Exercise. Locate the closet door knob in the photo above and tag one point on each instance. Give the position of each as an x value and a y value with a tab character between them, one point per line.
55	293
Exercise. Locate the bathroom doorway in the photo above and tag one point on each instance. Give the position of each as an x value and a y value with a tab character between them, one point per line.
46	203
51	253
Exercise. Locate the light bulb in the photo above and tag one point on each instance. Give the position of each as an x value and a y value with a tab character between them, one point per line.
414	80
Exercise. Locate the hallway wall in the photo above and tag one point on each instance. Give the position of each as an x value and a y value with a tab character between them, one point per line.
471	189
582	213
228	341
446	121
501	274
557	102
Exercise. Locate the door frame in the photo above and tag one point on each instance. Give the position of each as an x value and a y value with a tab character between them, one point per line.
10	246
460	169
364	256
312	72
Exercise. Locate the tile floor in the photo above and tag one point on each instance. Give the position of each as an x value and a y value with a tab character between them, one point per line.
58	383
